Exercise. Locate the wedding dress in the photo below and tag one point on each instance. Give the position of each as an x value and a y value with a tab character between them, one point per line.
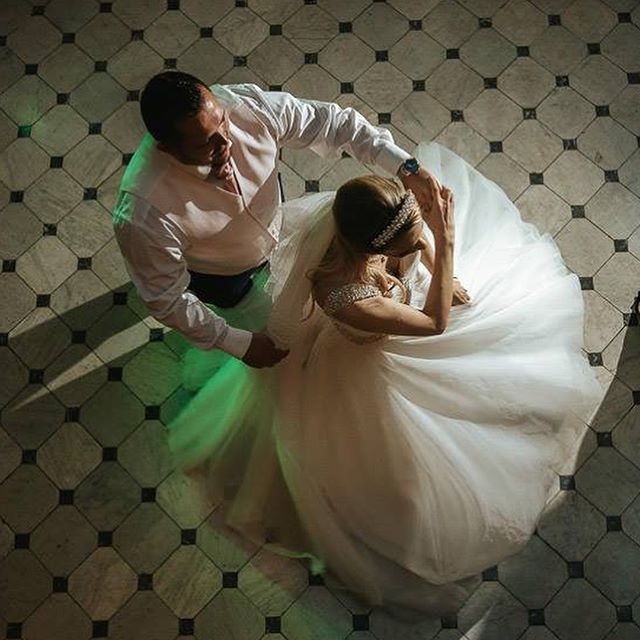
405	465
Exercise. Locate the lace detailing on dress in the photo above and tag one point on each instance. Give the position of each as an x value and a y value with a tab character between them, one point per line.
348	294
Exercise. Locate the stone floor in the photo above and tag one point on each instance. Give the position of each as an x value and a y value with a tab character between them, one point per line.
98	537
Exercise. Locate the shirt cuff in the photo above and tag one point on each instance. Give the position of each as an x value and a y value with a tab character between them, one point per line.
236	342
390	157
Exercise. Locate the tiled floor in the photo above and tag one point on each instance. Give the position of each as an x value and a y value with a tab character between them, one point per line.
98	538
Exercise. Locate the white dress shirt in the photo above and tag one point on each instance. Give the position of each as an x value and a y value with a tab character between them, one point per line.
171	217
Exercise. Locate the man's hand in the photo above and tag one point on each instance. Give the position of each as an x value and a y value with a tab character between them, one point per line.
424	185
263	352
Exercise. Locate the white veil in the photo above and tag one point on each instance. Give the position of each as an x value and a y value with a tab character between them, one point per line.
306	233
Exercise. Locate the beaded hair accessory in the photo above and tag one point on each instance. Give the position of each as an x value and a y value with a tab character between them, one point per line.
406	210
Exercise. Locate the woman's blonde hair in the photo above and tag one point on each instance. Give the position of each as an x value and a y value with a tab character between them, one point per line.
363	207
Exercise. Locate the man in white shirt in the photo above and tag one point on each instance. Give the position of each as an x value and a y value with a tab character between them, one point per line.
197	215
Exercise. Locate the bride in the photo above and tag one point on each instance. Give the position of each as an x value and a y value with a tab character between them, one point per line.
406	443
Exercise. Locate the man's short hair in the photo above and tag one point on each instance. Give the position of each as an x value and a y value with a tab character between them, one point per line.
168	98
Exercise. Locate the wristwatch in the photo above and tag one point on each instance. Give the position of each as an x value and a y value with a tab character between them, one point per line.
408	167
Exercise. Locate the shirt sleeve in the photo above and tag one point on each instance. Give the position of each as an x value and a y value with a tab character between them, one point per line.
155	261
327	129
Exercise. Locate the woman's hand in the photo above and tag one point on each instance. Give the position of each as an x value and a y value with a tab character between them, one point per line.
460	294
439	217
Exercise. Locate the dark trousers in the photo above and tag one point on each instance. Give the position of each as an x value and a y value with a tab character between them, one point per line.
223	291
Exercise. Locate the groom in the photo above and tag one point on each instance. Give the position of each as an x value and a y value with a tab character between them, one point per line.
197	214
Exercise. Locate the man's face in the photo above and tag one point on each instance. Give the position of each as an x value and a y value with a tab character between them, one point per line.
203	139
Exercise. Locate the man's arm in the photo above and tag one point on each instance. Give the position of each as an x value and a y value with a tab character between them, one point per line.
153	255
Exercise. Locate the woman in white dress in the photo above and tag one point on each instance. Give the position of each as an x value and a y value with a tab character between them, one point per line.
406	443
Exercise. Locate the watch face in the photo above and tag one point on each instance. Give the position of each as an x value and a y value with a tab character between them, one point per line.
411	165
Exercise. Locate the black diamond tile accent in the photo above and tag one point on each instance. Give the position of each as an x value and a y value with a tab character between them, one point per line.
593	48
345	27
152	412
630	320
586	283
105	538
100	66
595	359
624	613
3	41
72	414
536	617
415	25
95	128
188	536
43	300
384	118
171	63
126	158
173	5
68	38
114	374
490	83
577	211
100	629
109	454
105	7
37	10
148	494
133	96
14	629
311	1
346	87
604	439
21	540
536	178
78	337
90	193
567	483
562	81
382	56
611	176
16	196
56	162
490	574
275	30
419	85
522	52
575	569
137	34
311	58
206	32
272	624
360	621
24	131
621	245
156	335
8	266
453	54
62	98
529	114
457	115
311	186
36	376
186	626
315	580
65	496
633	78
449	622
4	339
275	87
84	264
554	20
60	584
602	110
29	456
31	69
120	297
624	17
614	523
239	61
145	582
570	144
229	580
484	23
